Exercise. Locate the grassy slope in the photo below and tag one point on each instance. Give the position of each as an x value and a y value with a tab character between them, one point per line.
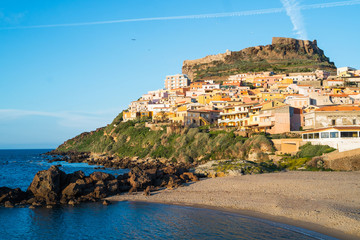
223	69
130	139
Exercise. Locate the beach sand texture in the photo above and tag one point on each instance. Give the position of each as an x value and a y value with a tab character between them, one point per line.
328	202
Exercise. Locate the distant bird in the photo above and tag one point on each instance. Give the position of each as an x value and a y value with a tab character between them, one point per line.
133	39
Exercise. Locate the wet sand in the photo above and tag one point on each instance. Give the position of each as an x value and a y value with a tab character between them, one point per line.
326	202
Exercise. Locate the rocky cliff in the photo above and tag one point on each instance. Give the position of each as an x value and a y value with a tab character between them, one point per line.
283	55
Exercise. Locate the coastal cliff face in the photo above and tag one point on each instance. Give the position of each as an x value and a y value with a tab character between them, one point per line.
283	55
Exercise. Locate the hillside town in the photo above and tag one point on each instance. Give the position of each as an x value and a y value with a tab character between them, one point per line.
323	106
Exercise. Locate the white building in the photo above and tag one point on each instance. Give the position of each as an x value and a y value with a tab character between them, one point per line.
211	86
177	81
341	138
344	69
298	77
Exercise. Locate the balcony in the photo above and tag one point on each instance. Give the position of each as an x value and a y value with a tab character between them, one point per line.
233	113
262	115
229	120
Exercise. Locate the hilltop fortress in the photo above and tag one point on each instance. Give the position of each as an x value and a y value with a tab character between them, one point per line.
283	55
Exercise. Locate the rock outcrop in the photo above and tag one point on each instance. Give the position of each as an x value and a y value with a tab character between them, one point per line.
53	186
9	197
283	55
46	185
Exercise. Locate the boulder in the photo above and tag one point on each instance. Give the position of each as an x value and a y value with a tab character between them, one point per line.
8	204
73	190
139	179
12	195
113	186
147	191
97	176
73	177
47	184
186	176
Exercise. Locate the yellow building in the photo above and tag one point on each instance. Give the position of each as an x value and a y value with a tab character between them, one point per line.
235	116
271	96
287	81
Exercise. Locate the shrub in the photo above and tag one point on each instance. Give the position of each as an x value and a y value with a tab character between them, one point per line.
310	151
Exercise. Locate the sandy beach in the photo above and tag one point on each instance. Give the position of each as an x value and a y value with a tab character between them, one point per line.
326	202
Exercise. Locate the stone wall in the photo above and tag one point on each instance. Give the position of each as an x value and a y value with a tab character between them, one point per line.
343	161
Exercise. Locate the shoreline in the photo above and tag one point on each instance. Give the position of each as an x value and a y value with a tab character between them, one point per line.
258	216
331	209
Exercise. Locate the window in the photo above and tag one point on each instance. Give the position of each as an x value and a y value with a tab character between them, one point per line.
334	135
333	122
316	135
311	136
325	135
354	121
348	134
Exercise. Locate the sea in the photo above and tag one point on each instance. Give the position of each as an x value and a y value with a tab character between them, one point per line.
121	220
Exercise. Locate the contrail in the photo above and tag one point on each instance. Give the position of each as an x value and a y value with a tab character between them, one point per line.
294	12
200	16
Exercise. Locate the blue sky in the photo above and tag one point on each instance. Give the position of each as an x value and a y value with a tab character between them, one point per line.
71	66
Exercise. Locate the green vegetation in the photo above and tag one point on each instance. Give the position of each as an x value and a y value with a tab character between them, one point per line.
236	66
302	159
245	167
132	138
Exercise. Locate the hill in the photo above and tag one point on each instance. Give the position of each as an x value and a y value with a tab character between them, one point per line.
284	55
133	139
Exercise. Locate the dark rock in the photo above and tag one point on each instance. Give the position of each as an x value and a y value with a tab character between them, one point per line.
97	176
113	186
73	190
106	202
47	184
140	179
73	177
8	204
147	191
186	176
36	204
123	177
12	195
132	190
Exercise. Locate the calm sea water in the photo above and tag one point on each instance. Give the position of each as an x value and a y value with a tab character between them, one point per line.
122	220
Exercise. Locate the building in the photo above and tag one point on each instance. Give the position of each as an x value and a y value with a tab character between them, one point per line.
321	74
235	116
211	86
297	101
276	119
177	81
344	69
266	117
127	115
299	77
334	83
194	117
196	85
340	99
318	99
341	138
332	116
